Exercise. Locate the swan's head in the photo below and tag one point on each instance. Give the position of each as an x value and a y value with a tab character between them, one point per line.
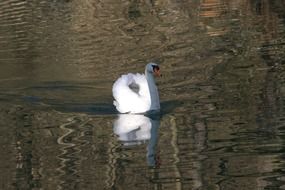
153	68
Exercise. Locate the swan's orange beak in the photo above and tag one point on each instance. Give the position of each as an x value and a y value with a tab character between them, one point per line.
156	72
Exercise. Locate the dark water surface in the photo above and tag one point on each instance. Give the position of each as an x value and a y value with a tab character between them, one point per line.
222	124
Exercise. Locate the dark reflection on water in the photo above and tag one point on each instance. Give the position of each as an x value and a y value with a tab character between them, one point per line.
222	120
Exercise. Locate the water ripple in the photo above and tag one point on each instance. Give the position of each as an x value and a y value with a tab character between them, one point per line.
222	94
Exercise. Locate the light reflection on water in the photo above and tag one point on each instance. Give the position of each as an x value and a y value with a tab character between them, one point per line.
222	120
136	129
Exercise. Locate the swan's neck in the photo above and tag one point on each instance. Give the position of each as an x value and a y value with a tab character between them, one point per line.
154	97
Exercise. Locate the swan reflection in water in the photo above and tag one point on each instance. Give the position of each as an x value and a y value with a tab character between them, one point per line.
138	129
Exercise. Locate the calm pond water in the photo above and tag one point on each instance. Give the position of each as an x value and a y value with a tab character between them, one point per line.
222	124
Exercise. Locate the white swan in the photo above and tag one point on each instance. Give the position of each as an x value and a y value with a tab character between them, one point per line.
137	93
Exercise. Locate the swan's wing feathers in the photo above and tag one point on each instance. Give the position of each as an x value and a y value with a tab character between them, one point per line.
134	87
131	94
141	81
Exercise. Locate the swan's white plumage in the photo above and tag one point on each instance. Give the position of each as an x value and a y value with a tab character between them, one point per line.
129	101
137	93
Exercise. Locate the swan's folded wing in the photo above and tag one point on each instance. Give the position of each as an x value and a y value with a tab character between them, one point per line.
131	94
134	87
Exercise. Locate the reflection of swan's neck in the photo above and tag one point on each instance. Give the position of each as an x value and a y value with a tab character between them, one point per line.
155	105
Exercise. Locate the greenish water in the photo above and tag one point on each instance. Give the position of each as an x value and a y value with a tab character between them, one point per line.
222	94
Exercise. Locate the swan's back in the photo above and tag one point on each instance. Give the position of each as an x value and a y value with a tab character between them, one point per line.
131	93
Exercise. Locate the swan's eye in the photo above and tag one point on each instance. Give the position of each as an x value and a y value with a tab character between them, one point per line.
155	68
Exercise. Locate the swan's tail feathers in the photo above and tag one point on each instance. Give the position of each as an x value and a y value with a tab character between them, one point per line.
115	103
